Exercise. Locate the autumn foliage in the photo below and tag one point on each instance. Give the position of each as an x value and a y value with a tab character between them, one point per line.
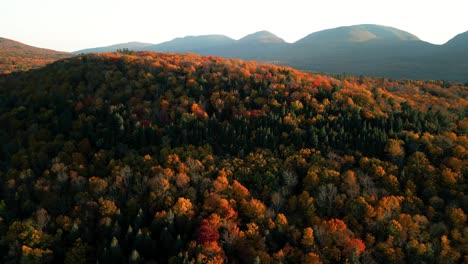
167	158
15	56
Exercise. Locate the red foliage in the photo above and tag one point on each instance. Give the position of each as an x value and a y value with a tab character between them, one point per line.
256	113
207	233
355	243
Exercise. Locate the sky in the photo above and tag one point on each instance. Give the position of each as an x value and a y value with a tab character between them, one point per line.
70	25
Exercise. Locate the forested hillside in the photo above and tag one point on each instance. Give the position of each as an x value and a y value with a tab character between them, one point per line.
16	56
167	158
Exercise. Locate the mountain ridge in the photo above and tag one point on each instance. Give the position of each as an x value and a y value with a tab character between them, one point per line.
364	49
405	34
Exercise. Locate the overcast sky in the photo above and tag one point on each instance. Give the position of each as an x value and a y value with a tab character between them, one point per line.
70	25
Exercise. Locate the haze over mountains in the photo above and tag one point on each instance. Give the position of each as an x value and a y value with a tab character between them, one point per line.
372	50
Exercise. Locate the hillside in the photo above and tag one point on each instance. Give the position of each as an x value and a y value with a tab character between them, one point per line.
367	49
112	48
16	56
169	158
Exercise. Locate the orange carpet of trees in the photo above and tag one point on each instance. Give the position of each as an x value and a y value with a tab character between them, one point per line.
167	158
16	56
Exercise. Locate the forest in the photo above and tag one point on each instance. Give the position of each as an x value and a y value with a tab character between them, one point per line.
143	157
16	56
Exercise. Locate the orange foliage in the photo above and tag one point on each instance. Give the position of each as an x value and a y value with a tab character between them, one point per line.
182	206
355	244
308	237
239	190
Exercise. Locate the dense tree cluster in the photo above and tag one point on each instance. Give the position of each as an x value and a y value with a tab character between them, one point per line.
167	158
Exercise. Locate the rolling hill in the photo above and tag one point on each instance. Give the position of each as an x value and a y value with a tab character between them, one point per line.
129	45
263	37
367	49
16	56
358	33
191	43
169	158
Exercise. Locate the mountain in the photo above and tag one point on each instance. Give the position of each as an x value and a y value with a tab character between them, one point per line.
257	46
459	41
261	37
16	56
378	51
191	43
112	48
358	33
260	46
367	49
146	157
449	61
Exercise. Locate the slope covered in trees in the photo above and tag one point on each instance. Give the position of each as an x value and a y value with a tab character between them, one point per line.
16	56
129	158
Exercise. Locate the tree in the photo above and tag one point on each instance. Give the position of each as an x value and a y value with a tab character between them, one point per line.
183	206
281	221
206	233
447	253
307	240
107	207
326	197
395	151
134	257
254	209
42	218
77	254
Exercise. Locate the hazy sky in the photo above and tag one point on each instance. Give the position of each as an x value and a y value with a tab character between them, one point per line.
70	25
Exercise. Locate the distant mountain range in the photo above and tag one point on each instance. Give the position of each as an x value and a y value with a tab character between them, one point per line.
16	56
371	50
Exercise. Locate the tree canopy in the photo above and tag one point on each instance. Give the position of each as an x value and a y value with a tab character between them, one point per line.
141	157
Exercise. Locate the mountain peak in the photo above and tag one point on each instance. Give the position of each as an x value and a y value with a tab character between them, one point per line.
459	40
262	37
359	33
